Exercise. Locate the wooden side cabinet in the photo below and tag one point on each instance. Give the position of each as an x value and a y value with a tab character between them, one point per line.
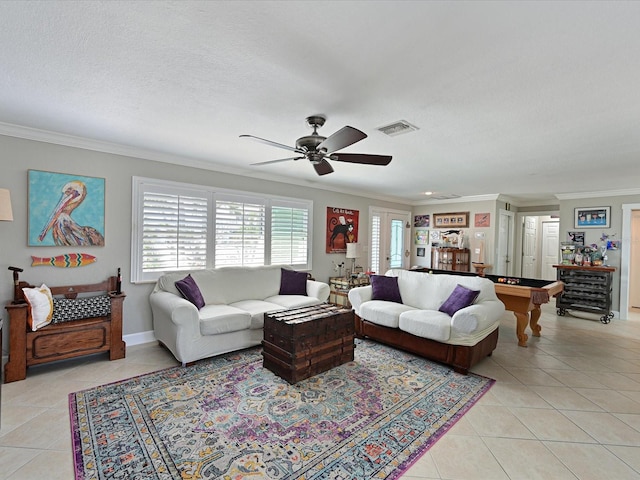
586	289
445	258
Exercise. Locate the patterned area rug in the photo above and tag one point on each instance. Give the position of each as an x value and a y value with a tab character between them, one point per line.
229	418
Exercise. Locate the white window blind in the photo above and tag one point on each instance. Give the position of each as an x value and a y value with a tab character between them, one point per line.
375	244
240	232
178	226
289	235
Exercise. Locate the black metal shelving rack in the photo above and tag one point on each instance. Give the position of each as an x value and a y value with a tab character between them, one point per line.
587	289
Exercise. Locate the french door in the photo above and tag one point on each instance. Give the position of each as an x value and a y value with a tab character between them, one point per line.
389	240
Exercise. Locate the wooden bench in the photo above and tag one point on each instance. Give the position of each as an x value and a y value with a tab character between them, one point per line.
69	339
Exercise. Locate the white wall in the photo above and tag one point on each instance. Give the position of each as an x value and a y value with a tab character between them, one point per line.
17	156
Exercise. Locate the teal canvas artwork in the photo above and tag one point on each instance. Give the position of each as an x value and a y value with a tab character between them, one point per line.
65	209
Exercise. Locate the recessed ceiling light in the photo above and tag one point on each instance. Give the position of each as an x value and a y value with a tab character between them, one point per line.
428	193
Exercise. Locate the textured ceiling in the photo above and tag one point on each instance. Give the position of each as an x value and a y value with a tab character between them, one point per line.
524	99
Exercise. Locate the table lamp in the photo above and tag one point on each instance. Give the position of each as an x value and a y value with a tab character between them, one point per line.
353	252
5	205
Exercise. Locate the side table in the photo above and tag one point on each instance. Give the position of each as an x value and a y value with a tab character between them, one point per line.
340	286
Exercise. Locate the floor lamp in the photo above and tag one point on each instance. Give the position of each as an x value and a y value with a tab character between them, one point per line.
7	215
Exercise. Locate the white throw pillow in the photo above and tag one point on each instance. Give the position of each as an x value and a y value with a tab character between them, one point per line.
41	304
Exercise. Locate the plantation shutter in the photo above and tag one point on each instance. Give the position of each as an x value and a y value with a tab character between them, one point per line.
240	231
375	244
174	231
289	235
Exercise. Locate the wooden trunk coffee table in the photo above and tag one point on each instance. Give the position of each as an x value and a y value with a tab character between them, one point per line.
302	342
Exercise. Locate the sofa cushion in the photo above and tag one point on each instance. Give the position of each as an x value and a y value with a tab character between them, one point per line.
383	313
426	324
188	288
257	309
385	288
216	319
460	298
292	282
292	301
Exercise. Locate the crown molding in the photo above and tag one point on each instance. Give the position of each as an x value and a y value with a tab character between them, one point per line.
604	193
470	198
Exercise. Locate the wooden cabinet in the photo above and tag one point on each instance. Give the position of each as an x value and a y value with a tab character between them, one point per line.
444	258
587	289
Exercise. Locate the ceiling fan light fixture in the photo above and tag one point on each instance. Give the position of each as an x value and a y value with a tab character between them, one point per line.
397	128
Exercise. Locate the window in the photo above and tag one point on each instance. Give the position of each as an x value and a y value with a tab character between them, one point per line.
185	227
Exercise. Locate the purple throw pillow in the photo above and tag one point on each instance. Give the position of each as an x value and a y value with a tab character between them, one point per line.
293	283
461	297
189	290
385	288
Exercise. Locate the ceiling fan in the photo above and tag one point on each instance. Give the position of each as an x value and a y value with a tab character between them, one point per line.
319	150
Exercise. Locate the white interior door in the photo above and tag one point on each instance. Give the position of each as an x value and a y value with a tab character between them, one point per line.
550	249
390	240
529	247
504	249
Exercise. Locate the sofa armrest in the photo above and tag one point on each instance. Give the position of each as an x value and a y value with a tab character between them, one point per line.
478	316
359	295
169	308
319	290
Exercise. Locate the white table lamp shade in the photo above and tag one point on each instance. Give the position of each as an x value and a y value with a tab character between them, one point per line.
353	250
5	205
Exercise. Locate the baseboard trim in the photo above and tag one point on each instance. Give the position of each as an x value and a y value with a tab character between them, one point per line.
139	338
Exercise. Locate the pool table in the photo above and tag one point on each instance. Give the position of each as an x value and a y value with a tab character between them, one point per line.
523	297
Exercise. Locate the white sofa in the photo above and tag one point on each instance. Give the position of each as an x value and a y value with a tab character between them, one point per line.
236	299
416	324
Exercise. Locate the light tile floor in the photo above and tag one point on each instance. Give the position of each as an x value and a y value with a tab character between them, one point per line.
566	407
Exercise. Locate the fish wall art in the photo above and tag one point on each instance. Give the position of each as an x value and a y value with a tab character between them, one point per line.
67	260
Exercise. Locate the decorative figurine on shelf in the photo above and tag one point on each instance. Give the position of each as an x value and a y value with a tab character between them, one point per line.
603	251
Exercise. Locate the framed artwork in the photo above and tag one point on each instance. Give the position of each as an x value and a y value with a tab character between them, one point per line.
421	236
342	228
65	209
435	236
482	220
451	220
421	251
421	220
592	217
577	238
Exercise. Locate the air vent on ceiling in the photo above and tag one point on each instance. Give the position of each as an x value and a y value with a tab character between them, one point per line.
443	196
398	128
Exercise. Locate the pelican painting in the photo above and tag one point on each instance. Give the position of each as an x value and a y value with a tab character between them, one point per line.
74	218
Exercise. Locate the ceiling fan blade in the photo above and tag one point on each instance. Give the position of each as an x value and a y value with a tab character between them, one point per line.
323	168
277	161
362	158
273	144
342	138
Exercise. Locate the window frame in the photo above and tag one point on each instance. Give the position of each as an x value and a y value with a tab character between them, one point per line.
140	185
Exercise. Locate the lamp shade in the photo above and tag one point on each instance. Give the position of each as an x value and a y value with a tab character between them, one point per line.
5	205
353	250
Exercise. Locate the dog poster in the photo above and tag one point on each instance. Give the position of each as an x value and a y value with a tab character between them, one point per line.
342	228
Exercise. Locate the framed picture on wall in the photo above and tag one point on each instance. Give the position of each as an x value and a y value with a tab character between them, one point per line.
421	221
592	217
451	220
65	209
421	236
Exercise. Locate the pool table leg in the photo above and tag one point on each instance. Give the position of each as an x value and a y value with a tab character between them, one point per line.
535	315
522	319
